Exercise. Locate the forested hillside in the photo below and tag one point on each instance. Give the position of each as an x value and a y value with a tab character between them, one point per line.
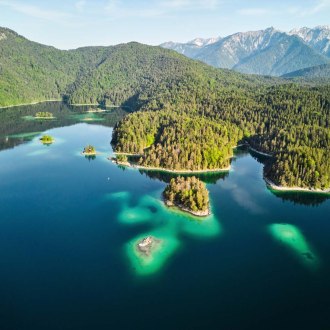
32	72
319	71
177	141
190	114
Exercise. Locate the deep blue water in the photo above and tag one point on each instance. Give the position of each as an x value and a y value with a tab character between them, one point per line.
64	235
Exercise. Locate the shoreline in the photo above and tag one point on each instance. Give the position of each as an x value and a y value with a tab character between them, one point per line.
260	152
47	142
161	169
32	103
273	186
54	100
81	104
128	154
199	214
91	154
45	118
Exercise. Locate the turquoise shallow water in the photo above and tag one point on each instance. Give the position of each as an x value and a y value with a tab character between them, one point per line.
69	224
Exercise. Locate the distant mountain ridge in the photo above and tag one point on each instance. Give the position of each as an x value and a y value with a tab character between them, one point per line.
189	114
318	37
266	52
191	48
319	71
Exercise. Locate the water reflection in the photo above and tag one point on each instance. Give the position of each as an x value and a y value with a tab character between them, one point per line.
89	158
295	197
210	178
16	129
301	198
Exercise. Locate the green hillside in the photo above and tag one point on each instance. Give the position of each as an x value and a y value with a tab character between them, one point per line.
32	72
190	114
318	71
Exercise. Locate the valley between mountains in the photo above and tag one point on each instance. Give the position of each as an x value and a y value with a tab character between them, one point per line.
186	114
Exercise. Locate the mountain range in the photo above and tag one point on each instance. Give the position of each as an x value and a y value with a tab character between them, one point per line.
264	52
188	113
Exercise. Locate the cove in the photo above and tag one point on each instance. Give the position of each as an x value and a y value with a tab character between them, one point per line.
68	226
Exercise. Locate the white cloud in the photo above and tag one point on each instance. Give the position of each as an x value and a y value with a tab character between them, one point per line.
253	11
117	9
34	11
323	4
189	4
319	6
80	5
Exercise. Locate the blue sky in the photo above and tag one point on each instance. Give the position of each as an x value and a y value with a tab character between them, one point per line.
74	23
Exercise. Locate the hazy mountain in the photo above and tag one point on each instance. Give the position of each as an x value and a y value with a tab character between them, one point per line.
191	48
280	54
318	38
319	71
188	100
267	52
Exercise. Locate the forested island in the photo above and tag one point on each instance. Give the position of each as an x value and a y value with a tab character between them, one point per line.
189	194
44	115
47	139
147	245
188	115
89	151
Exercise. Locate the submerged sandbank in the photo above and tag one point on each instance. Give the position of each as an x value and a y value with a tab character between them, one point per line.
290	236
146	261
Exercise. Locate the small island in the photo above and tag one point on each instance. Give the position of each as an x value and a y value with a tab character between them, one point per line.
95	110
44	115
89	151
147	245
189	194
47	139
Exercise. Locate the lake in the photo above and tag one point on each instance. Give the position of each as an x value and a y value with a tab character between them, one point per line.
68	226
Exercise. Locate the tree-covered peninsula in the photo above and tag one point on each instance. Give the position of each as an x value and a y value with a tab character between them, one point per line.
189	194
189	115
177	142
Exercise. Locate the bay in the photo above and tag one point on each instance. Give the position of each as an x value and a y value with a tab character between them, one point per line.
69	224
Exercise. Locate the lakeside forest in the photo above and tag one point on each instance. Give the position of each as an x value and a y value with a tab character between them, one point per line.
189	193
187	115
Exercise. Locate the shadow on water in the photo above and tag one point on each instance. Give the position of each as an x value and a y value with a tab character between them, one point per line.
211	178
89	158
295	197
301	198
